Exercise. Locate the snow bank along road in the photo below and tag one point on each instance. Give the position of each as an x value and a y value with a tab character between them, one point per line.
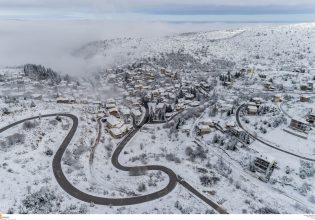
71	190
264	142
97	141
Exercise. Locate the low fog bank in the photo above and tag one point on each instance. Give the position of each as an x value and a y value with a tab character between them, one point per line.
51	43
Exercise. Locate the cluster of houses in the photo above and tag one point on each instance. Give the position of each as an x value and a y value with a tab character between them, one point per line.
119	120
303	124
304	85
15	86
116	127
253	105
299	124
165	91
205	126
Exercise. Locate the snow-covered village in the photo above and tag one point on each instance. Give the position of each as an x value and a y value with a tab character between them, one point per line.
206	122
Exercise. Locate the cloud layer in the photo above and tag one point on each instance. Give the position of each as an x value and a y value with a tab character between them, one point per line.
62	26
51	43
135	5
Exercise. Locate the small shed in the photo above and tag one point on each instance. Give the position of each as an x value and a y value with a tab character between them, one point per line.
252	110
305	98
311	117
203	129
277	98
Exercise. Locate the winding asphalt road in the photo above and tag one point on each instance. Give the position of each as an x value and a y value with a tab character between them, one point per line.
73	191
264	142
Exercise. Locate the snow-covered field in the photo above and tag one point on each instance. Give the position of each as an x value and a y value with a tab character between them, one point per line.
266	48
249	194
217	164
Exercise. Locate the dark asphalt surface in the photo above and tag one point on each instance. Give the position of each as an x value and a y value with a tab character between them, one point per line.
203	198
73	191
264	142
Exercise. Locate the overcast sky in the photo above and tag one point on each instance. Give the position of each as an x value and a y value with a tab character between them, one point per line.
124	9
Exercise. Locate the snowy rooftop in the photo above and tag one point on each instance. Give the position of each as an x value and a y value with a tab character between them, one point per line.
112	120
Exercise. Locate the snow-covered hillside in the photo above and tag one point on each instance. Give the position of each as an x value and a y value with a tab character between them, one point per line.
276	47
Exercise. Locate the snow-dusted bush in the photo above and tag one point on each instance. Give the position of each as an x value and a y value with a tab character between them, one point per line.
32	104
16	138
186	210
209	180
178	205
141	146
198	153
44	201
72	209
77	152
29	125
266	210
189	151
304	189
68	159
53	122
312	199
210	211
5	111
279	120
231	145
49	152
215	138
10	211
213	111
142	157
172	157
109	146
307	169
202	170
65	126
222	167
142	187
58	118
287	170
168	124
